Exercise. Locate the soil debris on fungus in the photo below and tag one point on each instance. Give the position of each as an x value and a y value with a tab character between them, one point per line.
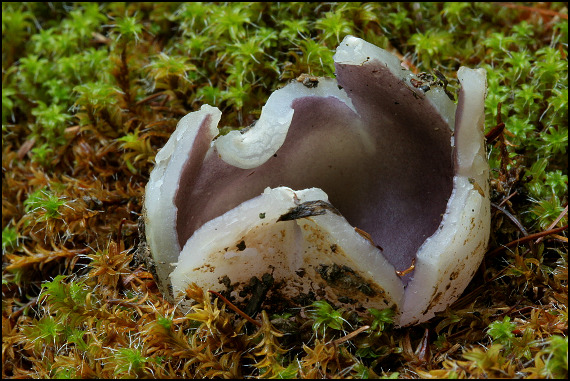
308	80
345	278
308	209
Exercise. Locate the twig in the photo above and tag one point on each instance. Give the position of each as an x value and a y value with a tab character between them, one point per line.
508	198
237	310
528	238
350	335
26	147
150	97
495	132
537	235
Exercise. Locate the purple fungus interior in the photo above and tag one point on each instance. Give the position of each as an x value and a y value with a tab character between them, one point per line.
388	168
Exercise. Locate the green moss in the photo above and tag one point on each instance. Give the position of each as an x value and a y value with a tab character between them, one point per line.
382	318
9	238
557	361
130	362
44	204
324	315
502	331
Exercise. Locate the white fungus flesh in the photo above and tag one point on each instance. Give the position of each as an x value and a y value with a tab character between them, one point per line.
368	190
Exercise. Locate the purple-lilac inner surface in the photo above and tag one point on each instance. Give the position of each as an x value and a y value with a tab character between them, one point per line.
393	181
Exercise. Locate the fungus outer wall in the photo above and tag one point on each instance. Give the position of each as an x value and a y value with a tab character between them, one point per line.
381	150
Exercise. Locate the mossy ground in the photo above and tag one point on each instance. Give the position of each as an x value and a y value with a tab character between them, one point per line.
90	92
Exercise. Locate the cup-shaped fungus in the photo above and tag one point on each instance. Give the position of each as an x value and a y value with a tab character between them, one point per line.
368	190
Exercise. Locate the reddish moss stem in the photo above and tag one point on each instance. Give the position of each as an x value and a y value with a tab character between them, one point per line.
237	310
529	237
